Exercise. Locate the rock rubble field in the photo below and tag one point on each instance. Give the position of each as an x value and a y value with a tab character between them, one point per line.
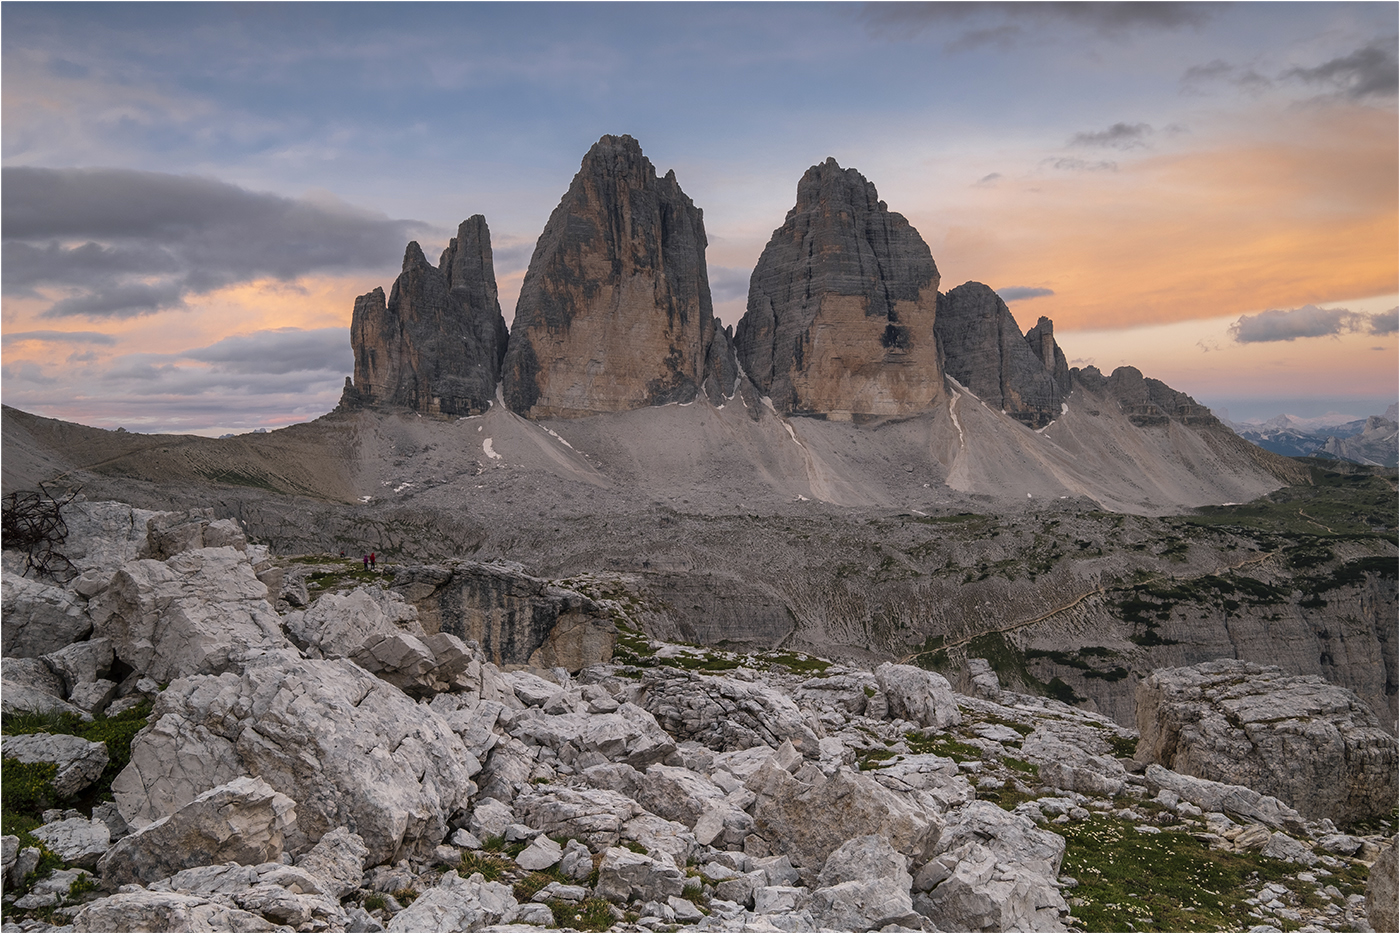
194	740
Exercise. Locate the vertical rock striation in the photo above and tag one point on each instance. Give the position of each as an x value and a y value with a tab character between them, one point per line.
435	346
614	313
983	350
840	319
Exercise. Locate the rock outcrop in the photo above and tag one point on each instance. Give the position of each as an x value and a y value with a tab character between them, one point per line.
359	776
614	313
842	305
1144	400
983	349
435	345
515	618
1311	744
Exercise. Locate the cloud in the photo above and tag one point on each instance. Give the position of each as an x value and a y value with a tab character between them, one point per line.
1018	293
1386	322
1007	23
115	243
73	337
989	179
1118	136
1081	165
1309	321
279	351
728	282
1370	71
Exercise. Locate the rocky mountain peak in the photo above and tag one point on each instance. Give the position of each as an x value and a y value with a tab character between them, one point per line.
435	344
984	350
615	312
841	306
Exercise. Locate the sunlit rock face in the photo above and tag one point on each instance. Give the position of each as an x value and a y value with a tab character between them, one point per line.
983	349
435	345
614	313
840	318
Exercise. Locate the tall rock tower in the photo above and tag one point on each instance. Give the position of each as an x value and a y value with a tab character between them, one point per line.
435	346
983	349
840	320
614	313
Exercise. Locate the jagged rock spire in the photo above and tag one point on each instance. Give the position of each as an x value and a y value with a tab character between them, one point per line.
435	345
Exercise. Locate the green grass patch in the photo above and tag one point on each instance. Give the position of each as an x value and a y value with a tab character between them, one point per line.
593	914
921	743
798	663
526	888
1124	747
492	868
1159	882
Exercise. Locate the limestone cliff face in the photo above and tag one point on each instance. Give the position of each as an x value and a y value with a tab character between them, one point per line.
435	345
840	319
614	313
983	349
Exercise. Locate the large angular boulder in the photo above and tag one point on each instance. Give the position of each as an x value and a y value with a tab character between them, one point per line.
244	821
614	313
198	612
350	749
1235	800
809	816
725	714
141	910
456	904
629	735
624	876
595	816
919	696
983	349
994	871
80	762
1382	895
435	345
1309	743
76	840
842	306
864	886
336	625
39	617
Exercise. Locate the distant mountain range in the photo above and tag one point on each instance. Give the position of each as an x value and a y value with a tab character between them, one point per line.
1370	440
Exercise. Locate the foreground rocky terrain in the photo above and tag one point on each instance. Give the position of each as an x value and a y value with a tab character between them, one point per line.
200	735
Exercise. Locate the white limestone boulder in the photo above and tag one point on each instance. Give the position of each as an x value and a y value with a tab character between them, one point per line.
200	612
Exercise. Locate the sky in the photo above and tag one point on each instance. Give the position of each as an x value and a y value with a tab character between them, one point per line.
193	195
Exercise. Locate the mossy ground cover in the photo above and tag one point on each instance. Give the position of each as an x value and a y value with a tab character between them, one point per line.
27	794
1360	501
26	789
1168	881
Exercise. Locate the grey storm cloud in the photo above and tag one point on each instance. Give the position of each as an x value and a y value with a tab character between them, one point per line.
1310	321
1016	293
728	282
121	243
1016	21
1118	136
1372	71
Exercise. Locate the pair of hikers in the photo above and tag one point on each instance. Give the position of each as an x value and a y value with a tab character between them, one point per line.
368	559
